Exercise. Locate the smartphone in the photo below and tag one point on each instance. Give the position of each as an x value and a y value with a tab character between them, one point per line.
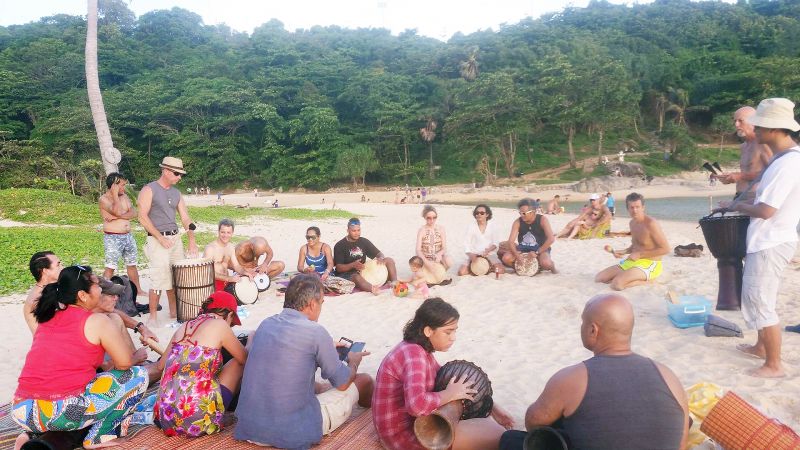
358	347
344	349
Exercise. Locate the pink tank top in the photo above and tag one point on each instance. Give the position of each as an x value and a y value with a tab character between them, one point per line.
61	362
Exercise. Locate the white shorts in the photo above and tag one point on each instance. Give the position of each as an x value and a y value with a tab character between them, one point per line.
760	284
336	407
161	260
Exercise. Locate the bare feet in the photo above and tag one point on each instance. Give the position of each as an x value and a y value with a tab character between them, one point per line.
376	290
767	372
752	350
140	356
21	440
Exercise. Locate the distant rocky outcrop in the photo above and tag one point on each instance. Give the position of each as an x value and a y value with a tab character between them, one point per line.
608	183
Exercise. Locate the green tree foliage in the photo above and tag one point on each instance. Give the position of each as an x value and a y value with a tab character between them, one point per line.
279	108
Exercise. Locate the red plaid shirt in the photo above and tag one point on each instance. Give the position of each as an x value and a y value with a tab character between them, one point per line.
402	393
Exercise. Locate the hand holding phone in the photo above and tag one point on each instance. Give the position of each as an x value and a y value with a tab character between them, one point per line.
345	346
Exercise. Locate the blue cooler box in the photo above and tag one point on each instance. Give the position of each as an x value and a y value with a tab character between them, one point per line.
691	311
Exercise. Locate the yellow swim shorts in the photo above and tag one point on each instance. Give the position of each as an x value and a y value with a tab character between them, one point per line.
652	269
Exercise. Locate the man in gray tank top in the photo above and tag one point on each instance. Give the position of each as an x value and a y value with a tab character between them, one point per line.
158	203
615	400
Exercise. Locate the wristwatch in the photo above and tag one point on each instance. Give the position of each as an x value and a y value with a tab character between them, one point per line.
136	328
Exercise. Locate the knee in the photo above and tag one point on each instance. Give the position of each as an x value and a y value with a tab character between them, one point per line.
617	285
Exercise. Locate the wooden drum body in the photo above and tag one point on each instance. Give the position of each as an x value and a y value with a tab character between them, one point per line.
726	237
193	281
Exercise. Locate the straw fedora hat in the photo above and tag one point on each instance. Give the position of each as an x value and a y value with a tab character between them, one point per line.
172	163
435	275
375	274
775	113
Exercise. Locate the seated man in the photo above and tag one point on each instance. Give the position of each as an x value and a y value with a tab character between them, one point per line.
249	260
554	205
279	403
615	400
350	253
45	268
531	233
223	253
648	245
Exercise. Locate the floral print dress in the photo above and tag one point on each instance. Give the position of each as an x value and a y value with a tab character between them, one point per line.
189	401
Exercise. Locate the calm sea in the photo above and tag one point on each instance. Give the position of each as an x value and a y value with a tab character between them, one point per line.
685	209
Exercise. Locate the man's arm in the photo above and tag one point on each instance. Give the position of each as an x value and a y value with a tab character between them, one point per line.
131	323
548	232
512	239
268	259
675	386
183	211
30	303
759	210
550	405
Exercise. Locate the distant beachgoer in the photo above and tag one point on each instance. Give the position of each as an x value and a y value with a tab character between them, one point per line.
531	233
59	388
196	388
424	193
116	210
363	198
610	202
275	203
754	155
219	196
432	240
350	253
648	246
554	205
315	256
614	400
593	223
405	379
482	239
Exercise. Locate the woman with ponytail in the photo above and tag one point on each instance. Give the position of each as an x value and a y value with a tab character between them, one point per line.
59	388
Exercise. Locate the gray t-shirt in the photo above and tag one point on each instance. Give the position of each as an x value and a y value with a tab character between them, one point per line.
163	207
277	404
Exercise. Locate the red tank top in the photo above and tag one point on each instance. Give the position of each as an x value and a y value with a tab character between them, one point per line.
61	362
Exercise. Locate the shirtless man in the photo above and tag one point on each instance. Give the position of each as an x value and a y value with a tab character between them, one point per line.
117	211
248	260
223	253
754	156
553	206
45	268
647	247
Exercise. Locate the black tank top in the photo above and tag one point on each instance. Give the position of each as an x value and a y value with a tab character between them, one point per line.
531	235
627	405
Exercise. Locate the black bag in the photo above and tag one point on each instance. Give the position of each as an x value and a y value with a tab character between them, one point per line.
127	300
717	326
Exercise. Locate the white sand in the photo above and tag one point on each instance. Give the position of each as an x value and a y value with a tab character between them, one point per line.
519	330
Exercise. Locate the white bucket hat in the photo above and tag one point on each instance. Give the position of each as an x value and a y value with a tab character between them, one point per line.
775	113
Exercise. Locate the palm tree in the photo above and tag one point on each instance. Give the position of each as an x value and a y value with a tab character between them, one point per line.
109	155
469	68
428	134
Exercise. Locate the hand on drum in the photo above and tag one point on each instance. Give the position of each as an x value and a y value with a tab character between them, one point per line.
502	417
459	390
358	265
725	206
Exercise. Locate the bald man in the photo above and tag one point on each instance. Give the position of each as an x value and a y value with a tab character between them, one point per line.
248	254
754	156
617	399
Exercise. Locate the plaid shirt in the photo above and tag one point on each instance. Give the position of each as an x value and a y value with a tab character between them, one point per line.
403	392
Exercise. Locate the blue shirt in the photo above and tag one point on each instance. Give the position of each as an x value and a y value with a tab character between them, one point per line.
277	404
610	202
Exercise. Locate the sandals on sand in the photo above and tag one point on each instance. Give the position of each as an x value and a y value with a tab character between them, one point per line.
793	328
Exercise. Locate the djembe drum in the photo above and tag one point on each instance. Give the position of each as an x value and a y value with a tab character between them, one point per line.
527	264
193	281
245	291
437	430
726	237
481	266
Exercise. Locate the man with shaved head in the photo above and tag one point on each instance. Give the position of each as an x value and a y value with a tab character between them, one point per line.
616	399
754	156
254	256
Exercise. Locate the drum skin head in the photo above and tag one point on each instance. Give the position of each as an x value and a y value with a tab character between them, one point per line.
246	291
192	262
436	275
375	274
481	266
526	265
262	282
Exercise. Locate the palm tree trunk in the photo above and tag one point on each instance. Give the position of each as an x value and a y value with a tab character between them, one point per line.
93	91
430	164
570	136
600	147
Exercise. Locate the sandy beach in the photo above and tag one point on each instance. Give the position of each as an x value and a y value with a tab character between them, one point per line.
519	330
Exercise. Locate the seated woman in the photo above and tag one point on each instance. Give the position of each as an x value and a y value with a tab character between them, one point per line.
316	256
432	240
405	379
59	389
482	239
195	387
569	229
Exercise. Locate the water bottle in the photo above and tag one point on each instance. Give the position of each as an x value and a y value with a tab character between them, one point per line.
242	312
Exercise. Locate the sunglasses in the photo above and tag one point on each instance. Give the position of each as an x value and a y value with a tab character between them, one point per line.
310	237
525	213
177	174
81	270
480	213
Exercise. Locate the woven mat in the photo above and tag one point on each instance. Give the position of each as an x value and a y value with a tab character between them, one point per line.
357	433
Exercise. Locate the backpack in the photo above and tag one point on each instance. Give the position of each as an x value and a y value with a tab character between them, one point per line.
127	300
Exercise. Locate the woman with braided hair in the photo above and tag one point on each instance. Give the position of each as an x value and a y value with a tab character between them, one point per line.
405	381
